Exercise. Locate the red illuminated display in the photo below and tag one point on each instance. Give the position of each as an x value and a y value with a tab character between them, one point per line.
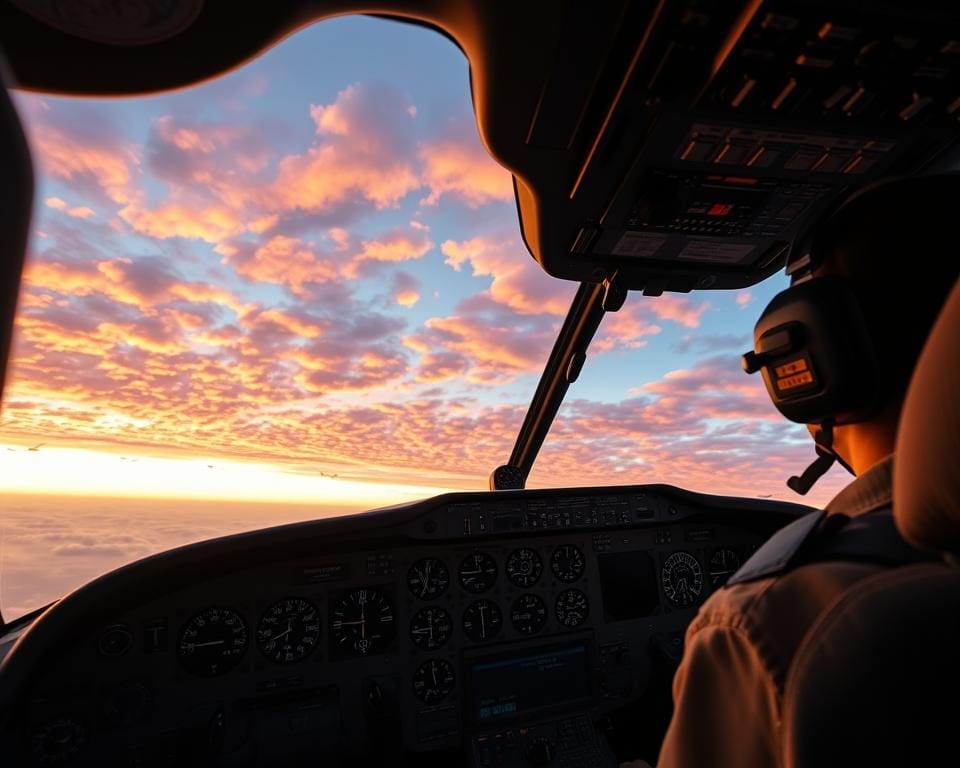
720	209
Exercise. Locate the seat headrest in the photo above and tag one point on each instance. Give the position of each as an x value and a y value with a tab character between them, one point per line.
16	201
926	483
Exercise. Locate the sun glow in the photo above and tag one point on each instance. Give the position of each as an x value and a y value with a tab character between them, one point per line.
84	472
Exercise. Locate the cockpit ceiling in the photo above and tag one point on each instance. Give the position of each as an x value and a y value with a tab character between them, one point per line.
658	145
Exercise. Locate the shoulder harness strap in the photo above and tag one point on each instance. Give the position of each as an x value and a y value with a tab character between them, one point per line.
817	537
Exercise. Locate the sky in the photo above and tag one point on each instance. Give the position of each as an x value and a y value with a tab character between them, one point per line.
301	286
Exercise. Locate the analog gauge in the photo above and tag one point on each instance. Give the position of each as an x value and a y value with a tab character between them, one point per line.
482	620
723	564
362	623
212	642
430	628
428	578
478	572
528	614
682	579
58	741
567	563
524	567
433	680
572	608
289	630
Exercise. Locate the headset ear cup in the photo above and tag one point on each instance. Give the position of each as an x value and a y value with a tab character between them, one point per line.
814	349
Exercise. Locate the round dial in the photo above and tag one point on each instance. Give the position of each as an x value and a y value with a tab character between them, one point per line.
567	563
682	579
478	572
524	567
58	741
363	622
528	614
212	642
482	620
572	608
289	630
723	564
430	628
428	578
433	680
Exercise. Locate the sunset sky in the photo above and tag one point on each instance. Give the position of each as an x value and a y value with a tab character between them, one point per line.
312	266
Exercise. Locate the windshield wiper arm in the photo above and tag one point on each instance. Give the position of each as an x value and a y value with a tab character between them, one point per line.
566	360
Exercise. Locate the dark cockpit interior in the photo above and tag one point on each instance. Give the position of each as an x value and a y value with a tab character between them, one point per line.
655	147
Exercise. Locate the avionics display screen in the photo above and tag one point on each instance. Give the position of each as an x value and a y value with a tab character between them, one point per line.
511	686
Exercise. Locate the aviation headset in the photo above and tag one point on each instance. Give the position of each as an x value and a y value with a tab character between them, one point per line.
813	347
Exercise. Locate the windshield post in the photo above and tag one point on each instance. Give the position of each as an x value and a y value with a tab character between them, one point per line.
590	303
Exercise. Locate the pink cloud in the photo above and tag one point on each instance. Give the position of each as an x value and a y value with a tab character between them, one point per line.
463	168
77	212
517	281
285	261
81	148
406	289
394	246
362	149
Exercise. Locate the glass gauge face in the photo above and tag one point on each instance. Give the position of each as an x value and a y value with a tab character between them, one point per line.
58	741
682	579
723	564
567	563
482	620
524	567
572	608
430	628
433	680
528	614
478	572
289	630
212	642
428	578
362	623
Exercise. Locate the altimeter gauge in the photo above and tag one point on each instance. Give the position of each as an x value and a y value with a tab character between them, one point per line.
289	630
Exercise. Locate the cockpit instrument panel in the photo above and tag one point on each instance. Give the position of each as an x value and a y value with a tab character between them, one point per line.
468	618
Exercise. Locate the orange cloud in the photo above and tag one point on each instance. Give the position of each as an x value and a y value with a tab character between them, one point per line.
70	157
518	282
286	261
394	246
362	152
78	212
213	223
678	309
464	168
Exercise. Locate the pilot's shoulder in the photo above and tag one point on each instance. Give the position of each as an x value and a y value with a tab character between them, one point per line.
743	604
778	551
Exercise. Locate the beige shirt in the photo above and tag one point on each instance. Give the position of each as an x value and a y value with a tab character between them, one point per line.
728	691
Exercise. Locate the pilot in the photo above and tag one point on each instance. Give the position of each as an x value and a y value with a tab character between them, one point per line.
837	350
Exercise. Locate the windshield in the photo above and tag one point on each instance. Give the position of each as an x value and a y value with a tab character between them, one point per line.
300	290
